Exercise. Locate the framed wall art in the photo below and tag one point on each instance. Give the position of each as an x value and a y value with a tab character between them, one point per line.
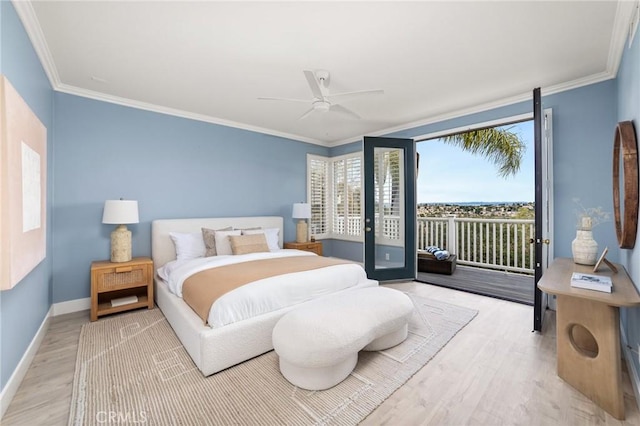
23	187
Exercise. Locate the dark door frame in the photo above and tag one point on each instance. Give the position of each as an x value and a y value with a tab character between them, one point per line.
539	301
408	271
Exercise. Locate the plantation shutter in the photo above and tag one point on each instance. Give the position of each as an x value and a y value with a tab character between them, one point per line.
338	197
353	211
347	196
335	194
318	193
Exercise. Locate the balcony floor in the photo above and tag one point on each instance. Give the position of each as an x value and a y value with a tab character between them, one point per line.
499	284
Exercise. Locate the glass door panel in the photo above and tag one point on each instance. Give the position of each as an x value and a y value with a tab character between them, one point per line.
390	251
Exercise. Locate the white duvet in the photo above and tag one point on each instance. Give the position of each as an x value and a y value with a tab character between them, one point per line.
266	295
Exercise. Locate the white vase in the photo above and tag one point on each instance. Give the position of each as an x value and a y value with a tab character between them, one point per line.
584	248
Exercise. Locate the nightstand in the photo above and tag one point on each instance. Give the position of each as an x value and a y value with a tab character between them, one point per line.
315	246
118	280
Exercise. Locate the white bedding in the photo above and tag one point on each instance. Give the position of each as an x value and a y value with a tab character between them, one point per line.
266	295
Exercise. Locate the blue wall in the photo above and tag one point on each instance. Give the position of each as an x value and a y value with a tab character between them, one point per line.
583	124
23	308
584	120
174	167
181	168
628	89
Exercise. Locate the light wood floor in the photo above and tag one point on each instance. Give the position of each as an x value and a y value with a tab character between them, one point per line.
494	372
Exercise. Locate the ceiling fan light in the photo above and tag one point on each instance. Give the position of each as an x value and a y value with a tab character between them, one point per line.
322	106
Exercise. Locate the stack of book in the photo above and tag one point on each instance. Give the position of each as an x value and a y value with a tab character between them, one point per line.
591	282
124	301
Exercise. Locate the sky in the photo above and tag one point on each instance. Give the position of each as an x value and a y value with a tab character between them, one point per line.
449	174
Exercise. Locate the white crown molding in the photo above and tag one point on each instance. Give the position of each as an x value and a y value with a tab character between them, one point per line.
562	87
492	123
27	15
619	36
72	90
585	81
438	118
29	19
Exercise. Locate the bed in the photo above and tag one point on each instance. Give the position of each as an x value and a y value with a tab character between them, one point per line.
215	348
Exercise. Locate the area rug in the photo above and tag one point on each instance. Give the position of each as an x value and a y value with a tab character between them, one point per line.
132	369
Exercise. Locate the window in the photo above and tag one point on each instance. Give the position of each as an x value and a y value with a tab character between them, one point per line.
335	195
347	196
318	194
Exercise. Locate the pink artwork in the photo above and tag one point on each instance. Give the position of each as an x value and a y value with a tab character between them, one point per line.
23	187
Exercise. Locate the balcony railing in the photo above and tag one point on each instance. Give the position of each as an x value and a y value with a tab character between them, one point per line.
489	243
501	244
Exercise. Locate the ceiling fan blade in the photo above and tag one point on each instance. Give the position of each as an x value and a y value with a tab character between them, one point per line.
344	111
313	84
284	99
341	97
306	114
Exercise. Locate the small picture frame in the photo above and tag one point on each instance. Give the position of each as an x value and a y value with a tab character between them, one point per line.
603	259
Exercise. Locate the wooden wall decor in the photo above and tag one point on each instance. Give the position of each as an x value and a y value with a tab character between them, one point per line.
625	152
23	187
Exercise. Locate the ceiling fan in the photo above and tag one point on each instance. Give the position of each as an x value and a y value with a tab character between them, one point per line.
322	100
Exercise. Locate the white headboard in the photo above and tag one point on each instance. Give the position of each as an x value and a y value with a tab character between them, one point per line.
163	249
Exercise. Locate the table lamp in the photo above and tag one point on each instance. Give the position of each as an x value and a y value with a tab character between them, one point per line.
301	211
120	212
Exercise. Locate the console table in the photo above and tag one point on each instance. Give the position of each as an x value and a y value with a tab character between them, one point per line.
588	331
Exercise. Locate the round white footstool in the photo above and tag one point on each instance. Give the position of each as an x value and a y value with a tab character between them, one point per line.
318	343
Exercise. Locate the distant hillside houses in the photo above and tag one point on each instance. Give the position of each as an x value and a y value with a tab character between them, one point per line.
512	210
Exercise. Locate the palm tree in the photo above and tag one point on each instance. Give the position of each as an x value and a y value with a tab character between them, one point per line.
500	145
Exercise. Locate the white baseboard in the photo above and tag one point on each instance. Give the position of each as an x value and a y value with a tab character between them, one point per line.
71	306
15	380
634	375
10	389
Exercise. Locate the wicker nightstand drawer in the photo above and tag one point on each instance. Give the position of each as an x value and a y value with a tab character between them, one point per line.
121	277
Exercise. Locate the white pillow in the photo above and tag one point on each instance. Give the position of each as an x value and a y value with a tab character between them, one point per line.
271	234
223	245
165	271
188	246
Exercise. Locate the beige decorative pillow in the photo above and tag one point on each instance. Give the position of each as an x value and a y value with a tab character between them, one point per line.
245	244
208	235
223	245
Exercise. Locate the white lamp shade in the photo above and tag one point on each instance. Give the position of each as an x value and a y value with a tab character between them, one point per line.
301	211
120	212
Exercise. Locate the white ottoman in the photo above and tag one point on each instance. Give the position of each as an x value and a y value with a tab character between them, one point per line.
318	343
